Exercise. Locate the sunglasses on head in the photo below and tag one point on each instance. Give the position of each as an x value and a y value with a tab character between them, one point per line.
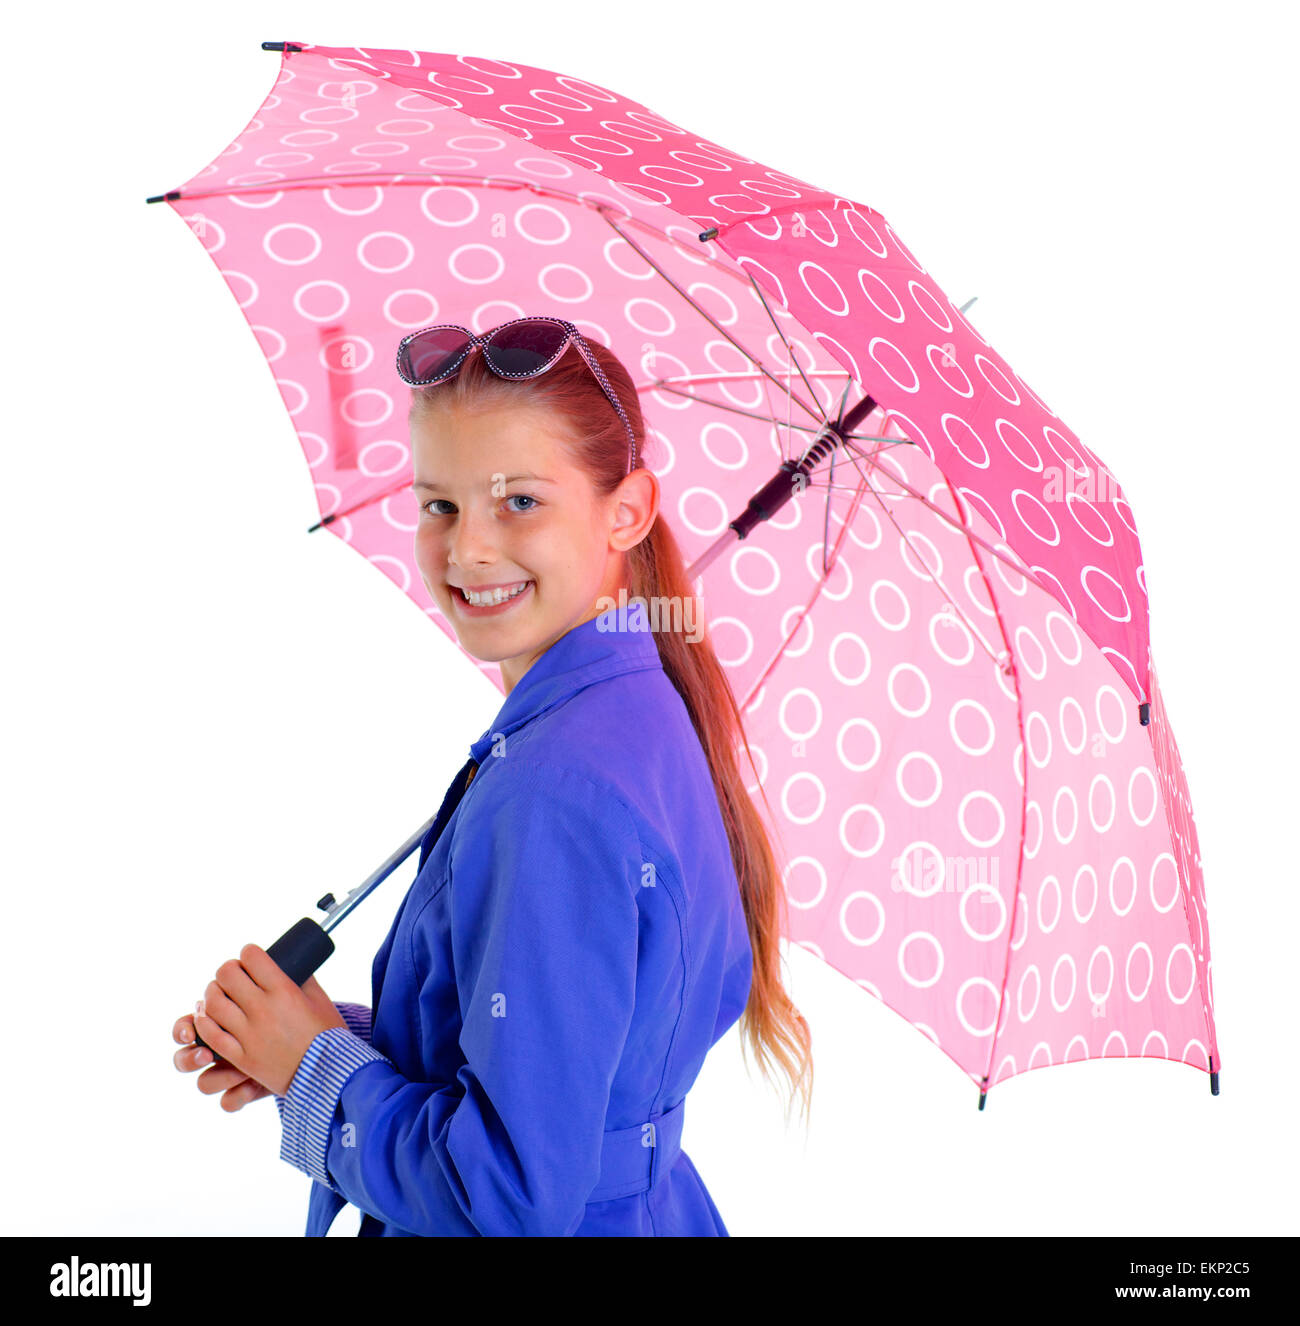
521	348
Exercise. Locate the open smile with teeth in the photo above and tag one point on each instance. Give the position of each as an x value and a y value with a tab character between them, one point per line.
494	595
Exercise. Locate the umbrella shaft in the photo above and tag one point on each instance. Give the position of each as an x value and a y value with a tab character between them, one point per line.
335	913
790	479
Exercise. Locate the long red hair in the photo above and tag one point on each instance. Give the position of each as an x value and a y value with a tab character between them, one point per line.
655	569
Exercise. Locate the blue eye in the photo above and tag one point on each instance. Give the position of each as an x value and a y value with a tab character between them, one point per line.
514	497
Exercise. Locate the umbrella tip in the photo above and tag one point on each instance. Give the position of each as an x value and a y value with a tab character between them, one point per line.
280	46
984	1090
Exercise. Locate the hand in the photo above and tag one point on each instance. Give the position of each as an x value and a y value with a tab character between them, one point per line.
260	1022
238	1087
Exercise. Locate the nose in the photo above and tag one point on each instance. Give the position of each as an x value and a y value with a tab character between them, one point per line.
470	544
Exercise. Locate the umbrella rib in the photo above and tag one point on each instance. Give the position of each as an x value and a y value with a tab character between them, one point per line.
330	517
754	377
734	409
661	385
381	494
779	652
1014	673
814	411
789	350
949	598
721	330
1009	668
1020	570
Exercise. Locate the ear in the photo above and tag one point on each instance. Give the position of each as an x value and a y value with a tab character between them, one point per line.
636	504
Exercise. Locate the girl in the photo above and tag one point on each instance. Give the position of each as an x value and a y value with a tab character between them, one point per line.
597	901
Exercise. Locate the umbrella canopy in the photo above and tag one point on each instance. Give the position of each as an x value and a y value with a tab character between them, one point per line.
940	647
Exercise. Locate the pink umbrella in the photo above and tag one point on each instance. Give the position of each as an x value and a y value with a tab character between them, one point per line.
936	623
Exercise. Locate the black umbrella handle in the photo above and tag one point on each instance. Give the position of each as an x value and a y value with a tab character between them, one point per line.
298	953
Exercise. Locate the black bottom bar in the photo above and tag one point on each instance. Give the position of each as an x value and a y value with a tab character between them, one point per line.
301	1275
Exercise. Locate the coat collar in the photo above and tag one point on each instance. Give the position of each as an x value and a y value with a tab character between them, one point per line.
617	640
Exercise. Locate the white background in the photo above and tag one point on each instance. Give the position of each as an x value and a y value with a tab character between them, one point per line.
213	719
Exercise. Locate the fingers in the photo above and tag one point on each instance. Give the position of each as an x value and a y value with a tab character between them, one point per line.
257	964
238	1087
222	1021
234	977
241	1094
222	1077
190	1057
240	983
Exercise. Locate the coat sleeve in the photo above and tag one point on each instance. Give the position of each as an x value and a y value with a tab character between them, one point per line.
544	923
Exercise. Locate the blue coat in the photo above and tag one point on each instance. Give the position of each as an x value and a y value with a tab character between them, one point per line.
572	946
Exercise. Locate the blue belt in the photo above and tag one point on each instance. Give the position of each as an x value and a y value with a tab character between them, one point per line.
633	1159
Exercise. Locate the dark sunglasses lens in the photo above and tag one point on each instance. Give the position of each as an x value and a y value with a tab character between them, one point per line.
426	356
525	347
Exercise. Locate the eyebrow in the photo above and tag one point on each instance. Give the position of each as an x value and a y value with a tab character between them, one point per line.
509	478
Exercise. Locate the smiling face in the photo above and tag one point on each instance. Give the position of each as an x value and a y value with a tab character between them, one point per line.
502	506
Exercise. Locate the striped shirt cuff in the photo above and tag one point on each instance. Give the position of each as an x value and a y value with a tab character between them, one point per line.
358	1018
308	1108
